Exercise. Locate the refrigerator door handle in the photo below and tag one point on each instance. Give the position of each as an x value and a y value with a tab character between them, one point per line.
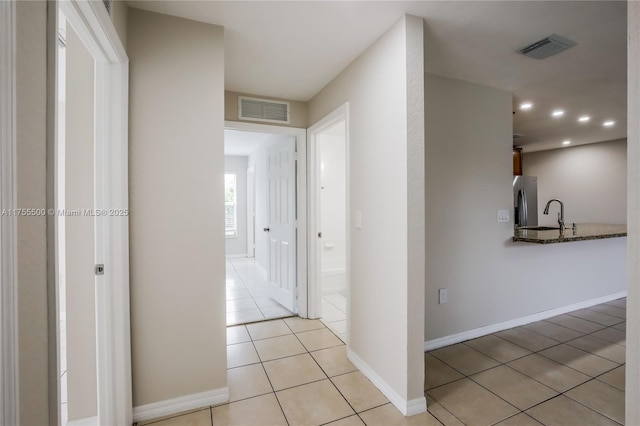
525	208
522	208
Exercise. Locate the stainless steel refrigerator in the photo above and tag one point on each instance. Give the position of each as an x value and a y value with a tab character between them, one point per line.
525	200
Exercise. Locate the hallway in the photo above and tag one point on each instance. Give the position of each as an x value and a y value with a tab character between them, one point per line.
567	370
248	295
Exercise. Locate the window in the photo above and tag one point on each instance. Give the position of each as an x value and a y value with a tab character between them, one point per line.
230	206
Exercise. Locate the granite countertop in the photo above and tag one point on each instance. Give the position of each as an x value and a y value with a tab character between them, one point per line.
584	231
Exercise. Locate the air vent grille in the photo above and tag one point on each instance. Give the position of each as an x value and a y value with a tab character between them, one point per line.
270	111
546	47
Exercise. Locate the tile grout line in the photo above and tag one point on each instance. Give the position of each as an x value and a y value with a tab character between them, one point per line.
560	393
586	406
323	371
443	407
268	378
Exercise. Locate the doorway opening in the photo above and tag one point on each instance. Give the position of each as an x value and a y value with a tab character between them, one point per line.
88	218
264	213
329	221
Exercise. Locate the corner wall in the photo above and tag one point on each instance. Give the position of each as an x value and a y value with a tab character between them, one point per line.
386	162
490	279
31	146
591	180
176	165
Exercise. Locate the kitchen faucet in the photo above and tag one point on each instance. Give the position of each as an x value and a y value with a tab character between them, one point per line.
560	214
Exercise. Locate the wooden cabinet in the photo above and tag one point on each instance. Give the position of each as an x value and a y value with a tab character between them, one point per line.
517	161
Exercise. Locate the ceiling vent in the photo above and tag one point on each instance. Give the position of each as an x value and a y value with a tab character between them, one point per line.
266	110
546	47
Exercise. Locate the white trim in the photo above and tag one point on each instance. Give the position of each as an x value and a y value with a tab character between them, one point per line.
332	272
517	322
9	380
314	264
301	196
406	407
180	404
92	23
237	256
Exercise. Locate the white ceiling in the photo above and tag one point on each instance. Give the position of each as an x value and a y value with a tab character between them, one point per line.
291	49
242	143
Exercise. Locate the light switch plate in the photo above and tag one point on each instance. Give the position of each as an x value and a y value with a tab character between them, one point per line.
443	297
503	215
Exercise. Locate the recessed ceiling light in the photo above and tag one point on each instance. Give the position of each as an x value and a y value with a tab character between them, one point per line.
608	123
584	118
557	113
566	142
526	105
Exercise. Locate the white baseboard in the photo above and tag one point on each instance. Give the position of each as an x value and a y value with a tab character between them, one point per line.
180	404
334	281
407	408
333	290
237	256
331	272
493	328
89	421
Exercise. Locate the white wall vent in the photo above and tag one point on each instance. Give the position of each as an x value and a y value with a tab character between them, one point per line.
546	47
266	110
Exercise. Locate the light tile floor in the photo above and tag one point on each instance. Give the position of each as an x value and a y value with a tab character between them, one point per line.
565	371
334	314
247	294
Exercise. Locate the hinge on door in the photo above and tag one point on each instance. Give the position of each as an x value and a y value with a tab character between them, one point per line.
295	156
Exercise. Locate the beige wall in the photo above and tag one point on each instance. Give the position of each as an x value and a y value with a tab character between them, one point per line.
379	86
298	112
176	192
31	63
632	395
591	181
119	12
468	178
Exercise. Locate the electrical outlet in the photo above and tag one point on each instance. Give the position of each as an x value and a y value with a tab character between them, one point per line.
503	215
442	296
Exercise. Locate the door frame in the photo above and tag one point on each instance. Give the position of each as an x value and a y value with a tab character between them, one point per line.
91	21
301	198
314	267
9	358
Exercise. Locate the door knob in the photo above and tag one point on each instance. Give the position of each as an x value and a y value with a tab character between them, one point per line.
266	229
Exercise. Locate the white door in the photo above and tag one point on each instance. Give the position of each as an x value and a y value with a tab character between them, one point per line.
80	246
281	267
